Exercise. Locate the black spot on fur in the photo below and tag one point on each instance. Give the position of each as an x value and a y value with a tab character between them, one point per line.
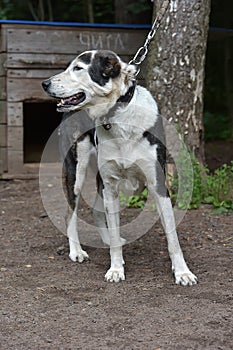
156	136
104	66
85	58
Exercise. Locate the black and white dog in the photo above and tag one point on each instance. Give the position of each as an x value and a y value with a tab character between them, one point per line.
125	123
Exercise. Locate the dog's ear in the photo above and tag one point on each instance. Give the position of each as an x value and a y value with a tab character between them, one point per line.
112	67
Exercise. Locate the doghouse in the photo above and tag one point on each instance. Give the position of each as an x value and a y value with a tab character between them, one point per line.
29	53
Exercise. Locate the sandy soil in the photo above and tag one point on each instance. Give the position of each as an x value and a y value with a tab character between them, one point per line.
48	302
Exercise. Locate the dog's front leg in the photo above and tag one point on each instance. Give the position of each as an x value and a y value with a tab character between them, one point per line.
111	204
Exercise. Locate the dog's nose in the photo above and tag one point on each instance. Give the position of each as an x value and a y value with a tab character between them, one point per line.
46	84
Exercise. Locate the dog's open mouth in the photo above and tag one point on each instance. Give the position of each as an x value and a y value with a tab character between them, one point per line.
74	100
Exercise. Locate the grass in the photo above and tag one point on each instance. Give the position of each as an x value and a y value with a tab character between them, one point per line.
215	189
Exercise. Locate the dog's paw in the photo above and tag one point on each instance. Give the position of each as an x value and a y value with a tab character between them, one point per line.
186	278
81	255
115	275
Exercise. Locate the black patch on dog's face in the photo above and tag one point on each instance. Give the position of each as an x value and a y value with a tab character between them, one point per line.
156	136
105	65
85	57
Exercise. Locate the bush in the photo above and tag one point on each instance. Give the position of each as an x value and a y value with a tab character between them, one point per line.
215	189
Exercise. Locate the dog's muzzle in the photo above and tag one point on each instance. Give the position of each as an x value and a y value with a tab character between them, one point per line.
64	103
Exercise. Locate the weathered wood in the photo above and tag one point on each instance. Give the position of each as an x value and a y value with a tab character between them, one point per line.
3	160
2	64
15	114
3	112
43	60
3	36
32	73
15	162
3	137
123	41
15	138
25	90
2	88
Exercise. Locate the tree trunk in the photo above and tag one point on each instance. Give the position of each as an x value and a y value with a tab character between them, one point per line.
90	11
228	48
176	64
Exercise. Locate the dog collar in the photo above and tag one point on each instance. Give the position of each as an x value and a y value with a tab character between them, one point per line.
129	94
123	99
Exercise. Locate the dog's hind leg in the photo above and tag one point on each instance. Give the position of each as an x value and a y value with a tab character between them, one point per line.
83	152
99	212
183	275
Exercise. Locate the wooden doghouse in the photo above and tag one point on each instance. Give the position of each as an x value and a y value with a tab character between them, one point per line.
29	53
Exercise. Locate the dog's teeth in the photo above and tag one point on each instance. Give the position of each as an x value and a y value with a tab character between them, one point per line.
62	101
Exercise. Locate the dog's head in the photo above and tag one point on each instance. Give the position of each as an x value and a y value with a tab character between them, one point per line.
92	78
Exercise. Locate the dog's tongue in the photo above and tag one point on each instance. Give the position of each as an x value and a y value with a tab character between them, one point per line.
72	100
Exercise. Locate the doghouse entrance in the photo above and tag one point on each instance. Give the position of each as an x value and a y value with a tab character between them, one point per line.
40	120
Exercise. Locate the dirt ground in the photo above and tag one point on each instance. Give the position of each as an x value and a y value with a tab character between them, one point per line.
48	302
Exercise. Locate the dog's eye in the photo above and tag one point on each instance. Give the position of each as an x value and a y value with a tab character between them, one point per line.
76	68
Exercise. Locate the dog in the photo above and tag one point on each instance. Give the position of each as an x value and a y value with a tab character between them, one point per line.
126	129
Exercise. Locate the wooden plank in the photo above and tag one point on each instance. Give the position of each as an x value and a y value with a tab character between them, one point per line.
15	138
32	73
2	88
3	112
15	114
2	64
123	41
3	34
43	60
15	162
25	90
3	135
3	160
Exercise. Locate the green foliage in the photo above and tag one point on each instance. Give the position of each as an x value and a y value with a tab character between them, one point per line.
6	7
136	201
138	7
219	187
217	126
215	189
189	183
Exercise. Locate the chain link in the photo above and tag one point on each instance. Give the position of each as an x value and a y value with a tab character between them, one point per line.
142	52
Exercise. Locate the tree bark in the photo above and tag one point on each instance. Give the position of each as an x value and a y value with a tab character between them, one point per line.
176	64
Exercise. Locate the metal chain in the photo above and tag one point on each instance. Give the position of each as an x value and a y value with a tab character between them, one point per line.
143	50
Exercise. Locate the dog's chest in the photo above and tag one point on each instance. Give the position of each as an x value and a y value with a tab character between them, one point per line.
124	146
